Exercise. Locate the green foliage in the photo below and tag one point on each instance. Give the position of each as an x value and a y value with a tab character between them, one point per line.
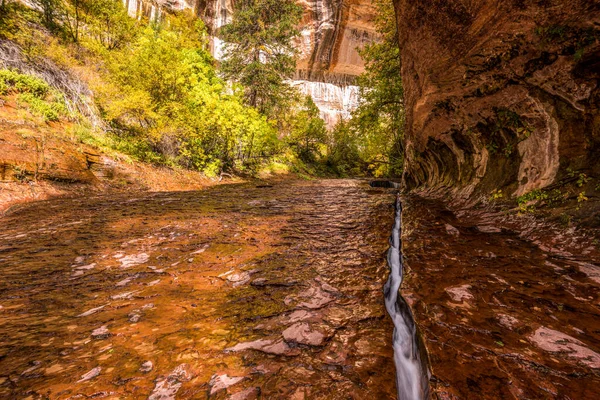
496	194
108	23
33	92
525	201
260	54
344	156
51	11
508	128
571	39
49	110
159	90
582	179
308	134
378	121
15	21
16	82
551	33
164	86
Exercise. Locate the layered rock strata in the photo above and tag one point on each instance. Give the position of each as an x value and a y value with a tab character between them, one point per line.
331	33
499	94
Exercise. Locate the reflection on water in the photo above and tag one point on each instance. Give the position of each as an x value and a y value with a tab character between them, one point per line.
235	291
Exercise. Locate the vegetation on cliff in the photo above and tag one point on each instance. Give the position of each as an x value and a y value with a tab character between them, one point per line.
158	94
152	90
372	139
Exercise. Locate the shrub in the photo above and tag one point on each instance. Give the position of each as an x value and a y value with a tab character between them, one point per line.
22	83
34	92
165	86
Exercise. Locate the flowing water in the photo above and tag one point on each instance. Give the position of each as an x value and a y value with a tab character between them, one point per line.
274	291
237	291
412	378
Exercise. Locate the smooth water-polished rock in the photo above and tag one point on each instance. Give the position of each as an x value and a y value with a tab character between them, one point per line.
499	96
309	320
94	372
502	301
303	333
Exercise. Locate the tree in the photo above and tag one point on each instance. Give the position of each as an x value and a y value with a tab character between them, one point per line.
308	131
73	14
343	154
259	53
50	11
165	93
109	23
379	118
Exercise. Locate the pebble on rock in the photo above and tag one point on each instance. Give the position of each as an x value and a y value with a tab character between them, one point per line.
100	333
147	366
90	375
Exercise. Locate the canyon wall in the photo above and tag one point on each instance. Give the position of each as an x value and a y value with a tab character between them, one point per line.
331	32
500	94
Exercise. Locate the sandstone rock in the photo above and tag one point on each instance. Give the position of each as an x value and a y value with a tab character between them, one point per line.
133	260
167	388
555	341
247	394
507	321
134	318
221	382
277	347
314	298
100	333
460	293
91	311
303	333
498	96
36	155
147	366
90	375
452	230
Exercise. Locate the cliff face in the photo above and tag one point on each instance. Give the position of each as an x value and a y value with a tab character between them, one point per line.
331	32
499	94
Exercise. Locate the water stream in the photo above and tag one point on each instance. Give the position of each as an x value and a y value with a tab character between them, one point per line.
238	291
412	378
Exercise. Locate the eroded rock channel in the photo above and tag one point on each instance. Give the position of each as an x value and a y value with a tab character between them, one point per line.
507	306
236	291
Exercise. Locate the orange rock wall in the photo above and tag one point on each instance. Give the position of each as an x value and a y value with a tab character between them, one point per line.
499	94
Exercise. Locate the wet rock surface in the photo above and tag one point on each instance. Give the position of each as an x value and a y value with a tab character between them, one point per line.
235	291
506	312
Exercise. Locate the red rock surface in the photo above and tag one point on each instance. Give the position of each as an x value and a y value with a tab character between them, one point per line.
499	94
110	296
507	306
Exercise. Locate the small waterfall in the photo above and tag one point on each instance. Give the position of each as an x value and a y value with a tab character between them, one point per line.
412	375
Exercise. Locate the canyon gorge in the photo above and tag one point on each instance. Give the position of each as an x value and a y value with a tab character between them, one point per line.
499	95
134	279
331	31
